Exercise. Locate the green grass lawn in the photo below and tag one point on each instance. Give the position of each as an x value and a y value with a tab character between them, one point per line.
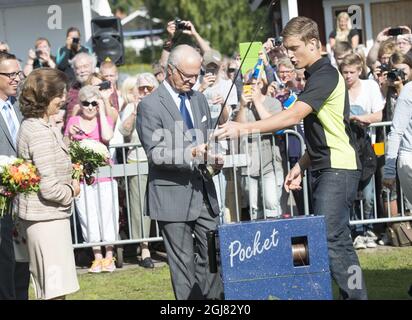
388	274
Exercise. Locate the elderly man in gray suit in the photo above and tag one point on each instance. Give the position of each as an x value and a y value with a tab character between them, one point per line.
172	124
14	276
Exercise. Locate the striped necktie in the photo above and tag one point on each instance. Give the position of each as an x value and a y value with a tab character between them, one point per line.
10	121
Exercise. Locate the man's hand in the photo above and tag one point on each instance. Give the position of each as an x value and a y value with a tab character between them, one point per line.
192	31
230	130
268	45
216	160
293	179
200	152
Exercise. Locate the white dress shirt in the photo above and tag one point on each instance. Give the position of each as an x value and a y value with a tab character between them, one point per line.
176	99
13	115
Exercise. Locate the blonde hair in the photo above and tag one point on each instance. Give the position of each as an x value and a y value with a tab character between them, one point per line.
89	81
387	47
303	27
352	59
127	87
342	35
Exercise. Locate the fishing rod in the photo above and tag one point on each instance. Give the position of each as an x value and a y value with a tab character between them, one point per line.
207	169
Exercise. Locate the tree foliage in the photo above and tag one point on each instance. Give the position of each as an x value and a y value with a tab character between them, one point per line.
224	23
128	5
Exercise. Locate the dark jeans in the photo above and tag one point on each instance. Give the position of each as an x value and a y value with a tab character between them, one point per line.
334	191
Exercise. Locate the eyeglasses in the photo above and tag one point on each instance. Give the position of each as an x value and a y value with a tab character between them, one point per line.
13	75
285	71
87	103
148	88
186	77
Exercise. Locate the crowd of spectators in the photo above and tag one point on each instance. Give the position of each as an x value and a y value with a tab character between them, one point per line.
98	107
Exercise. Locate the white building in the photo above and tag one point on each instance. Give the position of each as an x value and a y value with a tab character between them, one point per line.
375	14
23	21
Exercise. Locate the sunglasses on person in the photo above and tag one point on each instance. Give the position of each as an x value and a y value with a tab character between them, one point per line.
92	103
148	88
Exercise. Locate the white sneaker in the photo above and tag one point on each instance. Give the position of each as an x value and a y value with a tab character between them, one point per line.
370	243
371	234
359	243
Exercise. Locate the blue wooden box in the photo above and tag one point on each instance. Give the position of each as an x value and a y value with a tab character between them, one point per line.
257	261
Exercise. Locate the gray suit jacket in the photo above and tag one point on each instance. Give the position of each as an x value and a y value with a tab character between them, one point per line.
175	189
14	278
7	148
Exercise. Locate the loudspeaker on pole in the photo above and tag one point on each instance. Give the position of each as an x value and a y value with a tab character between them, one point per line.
107	39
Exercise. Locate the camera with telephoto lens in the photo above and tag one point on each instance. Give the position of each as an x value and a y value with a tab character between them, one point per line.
395	74
277	42
180	25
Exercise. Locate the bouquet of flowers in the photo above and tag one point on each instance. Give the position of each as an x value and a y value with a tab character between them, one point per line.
87	155
16	176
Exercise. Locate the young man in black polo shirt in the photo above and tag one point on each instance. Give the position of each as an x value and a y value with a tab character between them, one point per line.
330	154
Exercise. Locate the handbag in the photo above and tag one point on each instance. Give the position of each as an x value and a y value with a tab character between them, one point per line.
400	234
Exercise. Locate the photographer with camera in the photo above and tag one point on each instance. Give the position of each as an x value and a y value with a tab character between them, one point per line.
274	51
400	66
387	34
175	29
399	74
66	54
381	67
40	57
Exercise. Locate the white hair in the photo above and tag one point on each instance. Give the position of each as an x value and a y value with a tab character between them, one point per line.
148	77
83	55
181	52
88	92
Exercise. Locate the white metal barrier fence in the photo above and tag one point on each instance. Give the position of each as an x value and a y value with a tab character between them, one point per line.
121	173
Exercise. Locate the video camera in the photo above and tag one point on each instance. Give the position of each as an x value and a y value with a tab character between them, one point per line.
180	25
